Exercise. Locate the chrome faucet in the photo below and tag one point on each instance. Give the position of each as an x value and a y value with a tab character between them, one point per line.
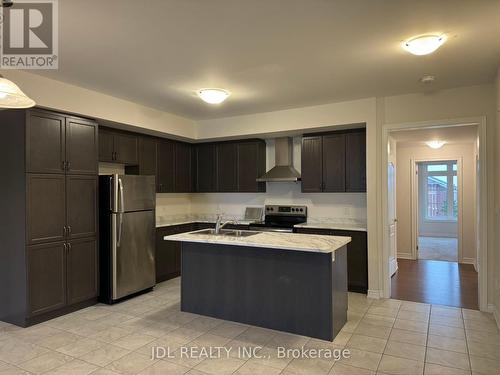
219	224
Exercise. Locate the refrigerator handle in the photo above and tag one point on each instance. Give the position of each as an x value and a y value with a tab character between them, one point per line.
120	212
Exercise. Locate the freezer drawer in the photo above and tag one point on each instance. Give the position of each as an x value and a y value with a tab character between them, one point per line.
133	252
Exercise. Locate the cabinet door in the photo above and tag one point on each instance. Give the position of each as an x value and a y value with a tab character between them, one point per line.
356	162
46	208
167	258
205	167
46	276
81	206
125	147
250	166
183	163
81	270
45	146
81	146
312	165
147	156
165	177
334	163
106	147
357	260
227	165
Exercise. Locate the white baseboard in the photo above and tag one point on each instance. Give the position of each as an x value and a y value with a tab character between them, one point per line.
472	261
393	266
375	294
404	256
492	308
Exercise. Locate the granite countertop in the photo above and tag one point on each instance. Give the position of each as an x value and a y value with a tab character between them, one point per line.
166	221
286	241
353	226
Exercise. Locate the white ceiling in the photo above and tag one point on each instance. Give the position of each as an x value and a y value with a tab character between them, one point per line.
450	135
271	54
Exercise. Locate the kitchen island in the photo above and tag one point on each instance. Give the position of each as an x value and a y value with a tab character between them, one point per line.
284	281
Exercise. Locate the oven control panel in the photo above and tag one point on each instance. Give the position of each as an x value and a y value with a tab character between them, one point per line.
286	210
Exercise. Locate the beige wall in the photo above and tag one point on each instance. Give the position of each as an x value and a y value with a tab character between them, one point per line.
405	155
69	98
497	258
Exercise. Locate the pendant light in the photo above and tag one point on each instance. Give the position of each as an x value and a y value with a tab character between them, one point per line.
11	95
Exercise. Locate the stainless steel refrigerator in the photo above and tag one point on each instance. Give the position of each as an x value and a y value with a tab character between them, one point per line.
127	235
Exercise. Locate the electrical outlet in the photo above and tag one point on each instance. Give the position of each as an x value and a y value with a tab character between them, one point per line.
347	211
497	284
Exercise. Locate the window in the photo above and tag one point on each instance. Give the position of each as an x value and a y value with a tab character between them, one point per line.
439	187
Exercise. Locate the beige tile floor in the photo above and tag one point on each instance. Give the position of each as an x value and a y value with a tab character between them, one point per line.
383	336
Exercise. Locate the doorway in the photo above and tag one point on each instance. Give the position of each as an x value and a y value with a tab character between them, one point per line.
437	210
433	215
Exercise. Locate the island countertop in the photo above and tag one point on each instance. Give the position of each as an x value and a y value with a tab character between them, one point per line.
273	240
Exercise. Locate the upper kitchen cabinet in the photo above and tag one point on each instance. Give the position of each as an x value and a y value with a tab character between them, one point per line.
356	161
205	169
165	166
183	179
118	147
312	161
45	142
334	162
227	167
251	165
60	144
81	146
147	156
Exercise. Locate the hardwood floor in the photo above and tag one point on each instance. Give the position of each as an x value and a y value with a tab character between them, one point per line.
436	282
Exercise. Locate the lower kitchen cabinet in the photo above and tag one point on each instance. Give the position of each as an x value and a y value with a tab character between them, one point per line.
357	256
82	280
46	277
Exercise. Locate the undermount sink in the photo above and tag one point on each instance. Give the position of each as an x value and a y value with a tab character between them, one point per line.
228	232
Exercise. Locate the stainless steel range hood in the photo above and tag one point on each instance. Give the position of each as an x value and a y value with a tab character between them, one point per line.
283	170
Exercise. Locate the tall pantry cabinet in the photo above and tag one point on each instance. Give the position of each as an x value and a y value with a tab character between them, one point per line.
48	225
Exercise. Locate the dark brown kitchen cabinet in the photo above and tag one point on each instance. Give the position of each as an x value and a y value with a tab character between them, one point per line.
45	142
357	256
46	275
106	146
45	208
82	281
81	146
165	167
50	205
312	165
183	178
147	156
81	206
356	162
206	168
168	253
227	167
251	165
118	147
334	162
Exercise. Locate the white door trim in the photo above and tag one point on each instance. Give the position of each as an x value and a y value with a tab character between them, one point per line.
415	206
482	260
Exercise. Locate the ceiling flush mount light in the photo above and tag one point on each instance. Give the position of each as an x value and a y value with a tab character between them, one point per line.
424	44
213	96
11	95
435	144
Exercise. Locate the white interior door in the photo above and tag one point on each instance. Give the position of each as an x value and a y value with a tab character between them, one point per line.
392	223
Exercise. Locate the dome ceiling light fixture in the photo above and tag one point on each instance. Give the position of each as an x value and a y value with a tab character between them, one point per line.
11	95
213	96
424	44
435	144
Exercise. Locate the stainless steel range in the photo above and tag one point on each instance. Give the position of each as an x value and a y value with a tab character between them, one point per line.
281	218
